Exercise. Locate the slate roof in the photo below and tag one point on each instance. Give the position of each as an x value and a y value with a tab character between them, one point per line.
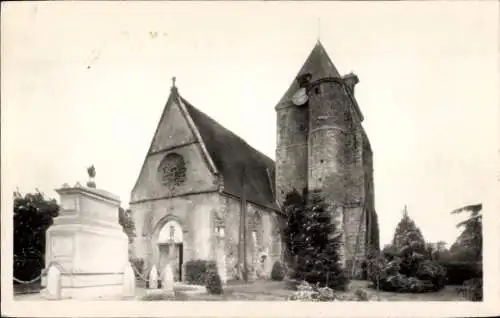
236	160
318	64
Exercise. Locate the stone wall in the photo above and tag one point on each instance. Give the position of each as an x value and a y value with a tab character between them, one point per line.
329	152
328	162
372	220
268	240
291	150
200	216
340	164
192	212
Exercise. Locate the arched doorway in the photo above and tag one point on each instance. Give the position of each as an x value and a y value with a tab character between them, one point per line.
170	247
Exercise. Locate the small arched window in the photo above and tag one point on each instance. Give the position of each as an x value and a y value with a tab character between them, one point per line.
173	170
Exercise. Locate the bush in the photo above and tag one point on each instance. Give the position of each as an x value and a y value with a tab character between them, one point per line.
304	292
433	272
459	272
308	292
197	271
278	272
138	265
214	283
202	272
404	266
472	289
389	276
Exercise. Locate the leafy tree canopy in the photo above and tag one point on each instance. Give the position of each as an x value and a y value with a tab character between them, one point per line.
33	214
126	221
469	244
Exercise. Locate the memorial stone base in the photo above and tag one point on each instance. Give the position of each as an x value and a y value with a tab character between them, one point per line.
88	246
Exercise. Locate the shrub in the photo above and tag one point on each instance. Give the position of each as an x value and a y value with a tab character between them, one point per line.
387	276
202	272
197	271
308	292
362	295
472	289
389	251
325	294
459	272
214	283
304	292
138	265
404	266
278	272
433	272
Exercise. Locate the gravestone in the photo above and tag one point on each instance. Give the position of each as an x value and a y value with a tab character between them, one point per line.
268	266
267	263
53	290
167	281
254	257
153	278
221	257
87	241
128	281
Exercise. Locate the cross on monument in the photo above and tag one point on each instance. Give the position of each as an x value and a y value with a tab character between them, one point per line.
173	81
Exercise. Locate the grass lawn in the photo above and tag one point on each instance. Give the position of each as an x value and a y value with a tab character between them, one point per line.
265	290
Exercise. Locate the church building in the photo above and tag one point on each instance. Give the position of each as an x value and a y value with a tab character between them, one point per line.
208	195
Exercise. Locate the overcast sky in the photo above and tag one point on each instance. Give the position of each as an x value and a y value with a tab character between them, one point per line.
85	83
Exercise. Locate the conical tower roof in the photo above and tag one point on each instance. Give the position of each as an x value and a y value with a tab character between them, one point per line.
318	64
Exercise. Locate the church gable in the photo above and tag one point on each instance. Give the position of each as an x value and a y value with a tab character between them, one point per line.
173	129
217	159
176	172
176	163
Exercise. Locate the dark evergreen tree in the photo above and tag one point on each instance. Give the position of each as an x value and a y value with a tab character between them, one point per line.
314	242
294	207
410	245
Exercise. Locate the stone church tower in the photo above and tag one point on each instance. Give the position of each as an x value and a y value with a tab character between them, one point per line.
321	145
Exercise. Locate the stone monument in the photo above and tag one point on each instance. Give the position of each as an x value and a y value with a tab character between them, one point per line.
87	243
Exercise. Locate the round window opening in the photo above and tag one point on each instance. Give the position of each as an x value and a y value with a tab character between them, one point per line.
173	170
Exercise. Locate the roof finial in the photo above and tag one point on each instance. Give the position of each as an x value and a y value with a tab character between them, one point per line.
405	211
174	88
